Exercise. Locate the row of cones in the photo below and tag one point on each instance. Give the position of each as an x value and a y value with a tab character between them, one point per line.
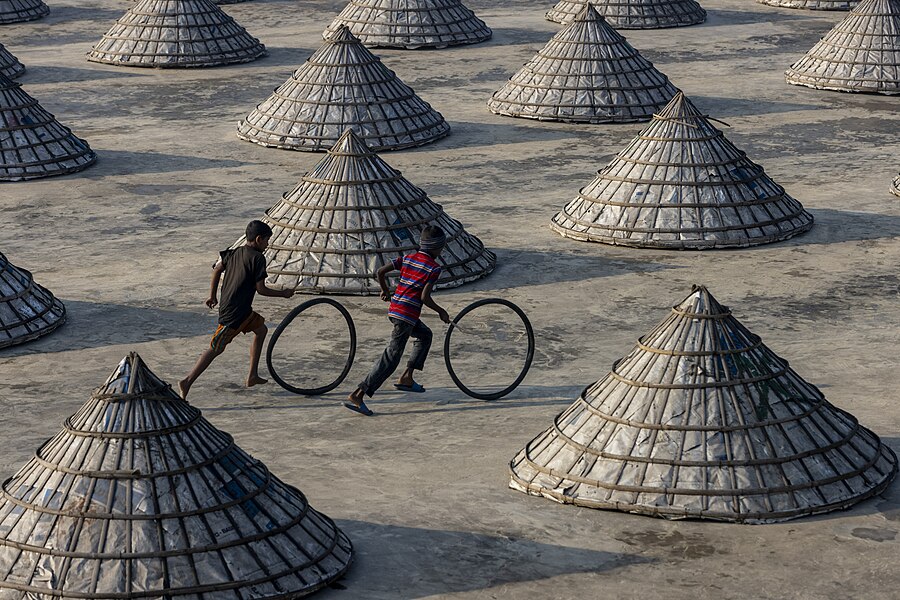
141	496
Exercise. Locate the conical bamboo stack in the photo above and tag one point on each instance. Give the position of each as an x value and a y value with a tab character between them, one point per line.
343	85
352	214
681	185
634	14
860	54
32	142
588	73
9	64
895	186
702	420
176	34
812	4
411	24
27	310
139	496
16	11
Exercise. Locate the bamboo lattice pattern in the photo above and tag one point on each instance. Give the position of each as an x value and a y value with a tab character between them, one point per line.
588	73
139	496
352	214
16	11
411	23
176	34
812	4
634	14
27	310
680	184
32	142
9	64
702	420
343	85
895	186
860	54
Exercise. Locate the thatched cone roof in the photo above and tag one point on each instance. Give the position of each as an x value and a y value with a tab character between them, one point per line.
895	186
139	496
411	23
702	420
343	85
588	73
9	64
16	11
681	185
812	4
27	310
176	34
32	142
352	214
634	14
860	54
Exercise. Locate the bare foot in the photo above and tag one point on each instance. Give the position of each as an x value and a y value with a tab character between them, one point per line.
183	388
256	380
355	397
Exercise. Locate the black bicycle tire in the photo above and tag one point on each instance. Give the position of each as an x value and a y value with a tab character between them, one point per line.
287	321
529	358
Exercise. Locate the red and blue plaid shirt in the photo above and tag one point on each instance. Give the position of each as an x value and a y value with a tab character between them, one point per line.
416	271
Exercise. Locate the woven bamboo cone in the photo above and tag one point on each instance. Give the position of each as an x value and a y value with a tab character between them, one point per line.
139	496
9	64
176	34
588	73
352	214
343	85
702	420
32	142
811	4
634	14
680	184
411	24
860	54
895	186
27	310
17	11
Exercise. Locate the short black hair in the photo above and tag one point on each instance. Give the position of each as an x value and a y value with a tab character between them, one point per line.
431	232
256	229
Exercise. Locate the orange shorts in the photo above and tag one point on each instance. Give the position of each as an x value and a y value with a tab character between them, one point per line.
223	335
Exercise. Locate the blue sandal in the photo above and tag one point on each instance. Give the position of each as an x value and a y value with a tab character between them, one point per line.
415	387
361	409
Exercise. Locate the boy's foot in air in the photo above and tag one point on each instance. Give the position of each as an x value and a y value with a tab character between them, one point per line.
183	388
256	380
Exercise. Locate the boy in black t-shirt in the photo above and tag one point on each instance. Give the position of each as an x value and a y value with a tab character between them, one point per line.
245	275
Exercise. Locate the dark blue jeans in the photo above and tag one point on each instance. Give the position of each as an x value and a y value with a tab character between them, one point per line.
390	360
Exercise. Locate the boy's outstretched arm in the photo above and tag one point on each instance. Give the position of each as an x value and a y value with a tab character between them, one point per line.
428	301
214	284
263	290
382	274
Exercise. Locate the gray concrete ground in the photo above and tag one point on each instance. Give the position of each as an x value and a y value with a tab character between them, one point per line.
421	489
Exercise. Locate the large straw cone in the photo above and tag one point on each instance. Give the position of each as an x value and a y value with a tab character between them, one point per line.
9	64
411	24
176	34
702	420
812	4
587	73
32	142
352	214
16	11
27	310
860	54
343	85
681	185
634	14
139	496
895	186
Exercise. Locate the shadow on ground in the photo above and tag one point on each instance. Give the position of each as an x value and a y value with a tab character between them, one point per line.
126	162
96	325
408	562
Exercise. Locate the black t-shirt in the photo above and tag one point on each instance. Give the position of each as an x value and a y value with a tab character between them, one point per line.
244	267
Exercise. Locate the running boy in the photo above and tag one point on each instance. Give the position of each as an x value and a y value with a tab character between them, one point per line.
245	275
418	274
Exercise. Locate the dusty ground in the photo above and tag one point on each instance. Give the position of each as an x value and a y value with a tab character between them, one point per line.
421	489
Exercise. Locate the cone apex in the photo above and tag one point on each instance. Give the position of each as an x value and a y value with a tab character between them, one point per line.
133	377
351	144
588	14
701	303
342	34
